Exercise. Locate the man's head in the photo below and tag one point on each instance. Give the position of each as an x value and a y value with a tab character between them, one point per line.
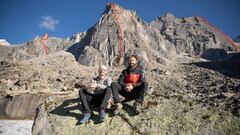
102	71
132	61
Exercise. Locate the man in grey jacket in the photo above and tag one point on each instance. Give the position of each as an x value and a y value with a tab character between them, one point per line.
96	93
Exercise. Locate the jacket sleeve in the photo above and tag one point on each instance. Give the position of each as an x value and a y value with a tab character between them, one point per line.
142	79
109	81
121	79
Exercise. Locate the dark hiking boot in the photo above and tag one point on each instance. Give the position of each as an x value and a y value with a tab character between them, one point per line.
136	107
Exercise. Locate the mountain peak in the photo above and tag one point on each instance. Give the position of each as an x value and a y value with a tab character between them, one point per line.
110	7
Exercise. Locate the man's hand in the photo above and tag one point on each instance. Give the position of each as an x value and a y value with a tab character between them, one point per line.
91	86
129	87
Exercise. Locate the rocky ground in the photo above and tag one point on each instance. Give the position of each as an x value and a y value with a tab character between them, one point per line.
183	98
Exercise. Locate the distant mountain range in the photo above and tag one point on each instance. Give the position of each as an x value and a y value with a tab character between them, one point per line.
162	38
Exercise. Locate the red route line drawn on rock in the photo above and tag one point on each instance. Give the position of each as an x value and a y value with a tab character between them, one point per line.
219	31
45	37
120	53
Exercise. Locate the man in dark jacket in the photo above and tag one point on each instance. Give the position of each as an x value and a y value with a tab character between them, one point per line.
96	93
131	85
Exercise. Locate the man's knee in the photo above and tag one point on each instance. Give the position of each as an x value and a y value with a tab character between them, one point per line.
108	90
81	92
114	84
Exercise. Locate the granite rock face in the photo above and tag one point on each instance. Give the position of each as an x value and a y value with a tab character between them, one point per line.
102	42
163	38
192	35
33	49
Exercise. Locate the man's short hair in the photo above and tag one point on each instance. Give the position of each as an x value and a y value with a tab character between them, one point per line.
102	67
133	56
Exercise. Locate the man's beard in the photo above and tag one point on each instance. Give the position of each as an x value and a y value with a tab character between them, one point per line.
133	65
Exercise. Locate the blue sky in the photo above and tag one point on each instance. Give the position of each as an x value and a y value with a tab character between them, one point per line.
22	20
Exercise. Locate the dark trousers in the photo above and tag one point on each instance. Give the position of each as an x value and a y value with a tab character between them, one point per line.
99	98
136	94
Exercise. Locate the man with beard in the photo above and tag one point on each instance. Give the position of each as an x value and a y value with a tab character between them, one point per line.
131	85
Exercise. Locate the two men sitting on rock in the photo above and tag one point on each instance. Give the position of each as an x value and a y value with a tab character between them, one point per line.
131	85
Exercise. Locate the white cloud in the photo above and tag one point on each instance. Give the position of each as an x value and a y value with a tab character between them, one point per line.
48	23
